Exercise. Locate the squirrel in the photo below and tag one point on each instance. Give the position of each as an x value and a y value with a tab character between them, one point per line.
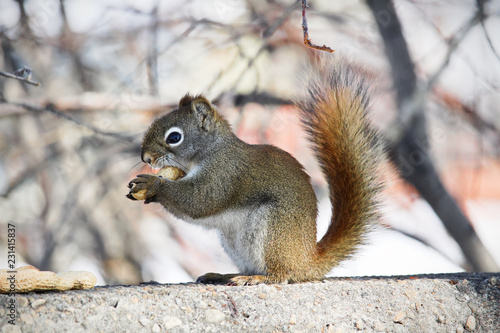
259	197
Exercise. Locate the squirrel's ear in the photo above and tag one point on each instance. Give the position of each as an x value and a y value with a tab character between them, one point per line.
204	113
186	100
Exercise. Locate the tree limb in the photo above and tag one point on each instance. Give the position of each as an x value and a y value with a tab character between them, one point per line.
410	152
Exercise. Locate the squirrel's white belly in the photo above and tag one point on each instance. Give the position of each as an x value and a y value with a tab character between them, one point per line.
242	234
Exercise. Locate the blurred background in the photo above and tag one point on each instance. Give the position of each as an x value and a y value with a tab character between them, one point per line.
107	68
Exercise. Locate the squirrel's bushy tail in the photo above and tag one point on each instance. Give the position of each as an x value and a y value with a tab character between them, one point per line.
334	115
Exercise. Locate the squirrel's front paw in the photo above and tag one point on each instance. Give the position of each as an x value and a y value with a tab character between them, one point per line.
144	187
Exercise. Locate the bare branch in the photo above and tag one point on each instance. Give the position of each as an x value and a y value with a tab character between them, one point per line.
490	43
68	117
413	139
152	58
482	17
414	98
30	172
453	43
305	28
24	78
263	98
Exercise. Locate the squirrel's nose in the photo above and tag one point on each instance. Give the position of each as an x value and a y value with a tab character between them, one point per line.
146	158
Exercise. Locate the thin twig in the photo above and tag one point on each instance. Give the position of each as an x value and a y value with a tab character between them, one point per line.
453	44
267	34
463	56
415	104
68	117
482	17
31	171
152	58
488	39
305	28
20	78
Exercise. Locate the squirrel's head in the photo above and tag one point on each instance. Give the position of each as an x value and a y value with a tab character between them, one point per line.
185	135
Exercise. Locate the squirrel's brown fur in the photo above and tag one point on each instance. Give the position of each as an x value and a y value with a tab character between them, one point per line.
335	116
257	196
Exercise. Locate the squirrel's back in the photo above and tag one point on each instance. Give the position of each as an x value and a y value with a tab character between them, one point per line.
334	113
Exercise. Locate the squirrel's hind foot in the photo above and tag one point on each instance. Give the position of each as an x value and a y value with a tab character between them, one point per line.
235	279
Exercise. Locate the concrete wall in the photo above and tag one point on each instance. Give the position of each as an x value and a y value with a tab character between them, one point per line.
439	303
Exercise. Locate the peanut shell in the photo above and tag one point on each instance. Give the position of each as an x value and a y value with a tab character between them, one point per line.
169	172
140	195
30	278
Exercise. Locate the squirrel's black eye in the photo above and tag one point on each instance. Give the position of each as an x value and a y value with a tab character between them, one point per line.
174	136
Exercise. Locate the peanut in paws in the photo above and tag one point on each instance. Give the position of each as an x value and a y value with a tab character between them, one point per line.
169	172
